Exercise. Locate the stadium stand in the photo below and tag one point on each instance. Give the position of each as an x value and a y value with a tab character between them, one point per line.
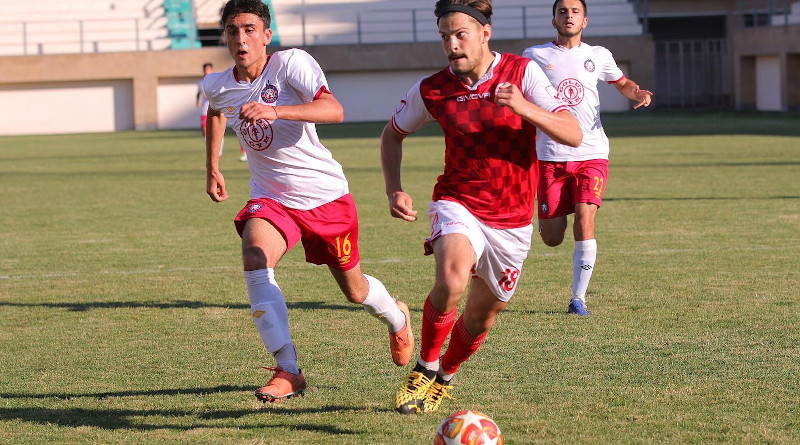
82	26
86	26
207	13
181	24
328	22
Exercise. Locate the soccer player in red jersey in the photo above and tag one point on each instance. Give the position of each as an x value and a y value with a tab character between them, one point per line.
298	190
489	106
573	180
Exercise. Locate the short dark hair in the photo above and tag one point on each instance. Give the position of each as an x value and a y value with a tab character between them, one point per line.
483	6
208	65
236	7
583	2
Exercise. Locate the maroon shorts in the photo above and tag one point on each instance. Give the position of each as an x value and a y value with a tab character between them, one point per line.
329	232
564	184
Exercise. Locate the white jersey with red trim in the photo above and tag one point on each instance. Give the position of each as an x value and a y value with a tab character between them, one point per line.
575	73
287	161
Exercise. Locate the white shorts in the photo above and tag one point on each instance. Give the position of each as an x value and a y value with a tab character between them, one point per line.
499	252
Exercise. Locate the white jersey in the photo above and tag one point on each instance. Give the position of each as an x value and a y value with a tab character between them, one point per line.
287	161
203	98
575	73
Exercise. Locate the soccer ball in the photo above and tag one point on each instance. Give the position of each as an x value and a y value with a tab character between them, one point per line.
468	427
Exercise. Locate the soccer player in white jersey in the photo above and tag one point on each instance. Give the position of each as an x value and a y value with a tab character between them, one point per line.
298	191
489	106
573	180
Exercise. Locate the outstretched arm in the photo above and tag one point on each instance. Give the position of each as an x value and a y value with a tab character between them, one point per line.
325	109
561	126
400	203
630	89
215	182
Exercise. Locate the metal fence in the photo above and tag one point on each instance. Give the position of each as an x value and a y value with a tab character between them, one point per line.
343	26
330	25
82	36
694	73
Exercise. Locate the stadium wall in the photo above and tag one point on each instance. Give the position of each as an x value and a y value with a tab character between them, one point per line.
80	93
767	68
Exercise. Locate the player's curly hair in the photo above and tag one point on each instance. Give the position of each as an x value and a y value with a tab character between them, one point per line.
236	7
483	6
583	2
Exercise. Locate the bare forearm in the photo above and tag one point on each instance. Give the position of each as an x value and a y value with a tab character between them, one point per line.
324	110
629	90
214	134
562	127
391	159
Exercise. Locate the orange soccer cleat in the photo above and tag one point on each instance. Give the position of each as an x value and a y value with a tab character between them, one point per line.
401	343
282	385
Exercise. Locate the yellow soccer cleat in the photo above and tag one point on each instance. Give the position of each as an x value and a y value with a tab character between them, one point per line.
410	398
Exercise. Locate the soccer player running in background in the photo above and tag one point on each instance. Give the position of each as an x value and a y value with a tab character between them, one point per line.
573	180
298	191
489	106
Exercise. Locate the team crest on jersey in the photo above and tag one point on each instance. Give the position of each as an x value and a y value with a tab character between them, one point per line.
570	91
257	136
269	94
589	65
545	207
254	208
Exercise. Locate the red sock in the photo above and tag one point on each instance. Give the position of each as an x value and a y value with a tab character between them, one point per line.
435	327
462	346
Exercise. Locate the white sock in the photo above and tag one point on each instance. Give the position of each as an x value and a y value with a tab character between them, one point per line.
583	259
433	366
446	377
286	358
382	306
271	317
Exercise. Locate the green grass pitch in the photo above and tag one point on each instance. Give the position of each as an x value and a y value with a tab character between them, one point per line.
124	315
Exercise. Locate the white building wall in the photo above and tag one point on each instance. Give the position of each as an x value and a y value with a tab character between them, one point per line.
768	83
91	107
177	106
372	96
69	107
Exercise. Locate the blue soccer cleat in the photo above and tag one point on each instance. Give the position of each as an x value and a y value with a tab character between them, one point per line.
578	307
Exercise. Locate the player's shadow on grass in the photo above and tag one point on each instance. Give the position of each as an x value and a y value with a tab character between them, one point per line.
194	304
174	419
177	304
126	418
105	395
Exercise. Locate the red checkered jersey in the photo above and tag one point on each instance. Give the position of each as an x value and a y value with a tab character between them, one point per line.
490	156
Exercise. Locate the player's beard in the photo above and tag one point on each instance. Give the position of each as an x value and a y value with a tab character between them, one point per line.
463	70
563	32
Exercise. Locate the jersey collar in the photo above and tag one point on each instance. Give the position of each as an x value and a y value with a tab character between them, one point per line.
236	75
486	77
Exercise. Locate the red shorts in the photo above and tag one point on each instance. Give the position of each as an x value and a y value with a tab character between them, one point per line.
203	120
329	232
564	184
